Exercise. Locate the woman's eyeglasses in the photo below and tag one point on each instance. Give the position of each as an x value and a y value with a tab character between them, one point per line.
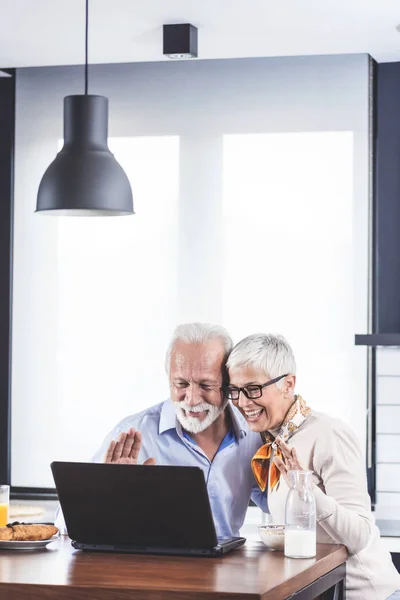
252	392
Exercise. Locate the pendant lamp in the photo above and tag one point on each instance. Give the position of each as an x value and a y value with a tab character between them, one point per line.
85	179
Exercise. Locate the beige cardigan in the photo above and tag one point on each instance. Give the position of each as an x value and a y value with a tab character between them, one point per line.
328	448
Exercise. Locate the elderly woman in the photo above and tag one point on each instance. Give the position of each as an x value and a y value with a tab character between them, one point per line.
262	376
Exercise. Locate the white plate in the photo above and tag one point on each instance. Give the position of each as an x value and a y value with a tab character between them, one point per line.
28	544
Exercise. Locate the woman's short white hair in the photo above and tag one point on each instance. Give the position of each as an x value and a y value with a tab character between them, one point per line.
266	352
198	333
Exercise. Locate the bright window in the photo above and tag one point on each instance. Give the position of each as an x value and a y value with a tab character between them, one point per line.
255	232
289	255
116	296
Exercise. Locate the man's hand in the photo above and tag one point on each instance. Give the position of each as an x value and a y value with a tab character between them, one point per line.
125	450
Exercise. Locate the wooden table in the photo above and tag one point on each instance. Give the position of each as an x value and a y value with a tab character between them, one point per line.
248	573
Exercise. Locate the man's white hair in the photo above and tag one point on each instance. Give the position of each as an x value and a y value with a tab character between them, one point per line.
266	352
198	333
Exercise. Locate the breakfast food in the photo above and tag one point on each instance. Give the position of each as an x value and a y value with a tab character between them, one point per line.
273	536
34	532
6	534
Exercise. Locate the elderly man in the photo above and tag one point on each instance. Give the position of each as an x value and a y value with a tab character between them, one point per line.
195	427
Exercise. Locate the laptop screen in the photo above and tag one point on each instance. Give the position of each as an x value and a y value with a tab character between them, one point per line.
161	506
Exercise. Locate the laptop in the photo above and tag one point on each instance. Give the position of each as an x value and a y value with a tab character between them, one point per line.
138	509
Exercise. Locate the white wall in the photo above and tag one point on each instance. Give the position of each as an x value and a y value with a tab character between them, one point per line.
59	408
388	433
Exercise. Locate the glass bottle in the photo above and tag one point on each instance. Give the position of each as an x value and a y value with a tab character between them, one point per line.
300	517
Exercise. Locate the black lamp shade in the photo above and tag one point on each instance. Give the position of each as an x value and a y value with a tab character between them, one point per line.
85	179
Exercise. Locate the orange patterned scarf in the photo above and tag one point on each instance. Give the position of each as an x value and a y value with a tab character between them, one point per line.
260	463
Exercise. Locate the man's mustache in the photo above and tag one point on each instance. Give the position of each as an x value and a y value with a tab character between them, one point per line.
203	406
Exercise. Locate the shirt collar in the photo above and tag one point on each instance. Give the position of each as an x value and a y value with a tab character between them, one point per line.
168	419
238	421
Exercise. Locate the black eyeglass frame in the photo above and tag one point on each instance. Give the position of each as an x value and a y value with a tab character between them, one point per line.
228	390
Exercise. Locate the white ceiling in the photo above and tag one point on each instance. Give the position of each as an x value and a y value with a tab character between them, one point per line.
51	32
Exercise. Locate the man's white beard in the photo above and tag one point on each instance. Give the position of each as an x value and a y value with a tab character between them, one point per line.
193	424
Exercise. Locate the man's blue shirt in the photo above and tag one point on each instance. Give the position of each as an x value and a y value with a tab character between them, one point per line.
228	439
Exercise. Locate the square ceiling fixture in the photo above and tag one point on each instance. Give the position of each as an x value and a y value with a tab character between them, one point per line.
180	40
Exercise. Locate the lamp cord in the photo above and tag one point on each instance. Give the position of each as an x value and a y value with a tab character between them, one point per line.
86	46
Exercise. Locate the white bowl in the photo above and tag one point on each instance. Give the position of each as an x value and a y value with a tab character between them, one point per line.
273	536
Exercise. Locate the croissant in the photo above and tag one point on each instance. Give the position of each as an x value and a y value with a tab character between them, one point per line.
19	533
6	534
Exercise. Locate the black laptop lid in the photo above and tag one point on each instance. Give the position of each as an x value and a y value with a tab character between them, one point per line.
134	504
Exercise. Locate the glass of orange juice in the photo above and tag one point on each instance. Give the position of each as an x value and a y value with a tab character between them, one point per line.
4	503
